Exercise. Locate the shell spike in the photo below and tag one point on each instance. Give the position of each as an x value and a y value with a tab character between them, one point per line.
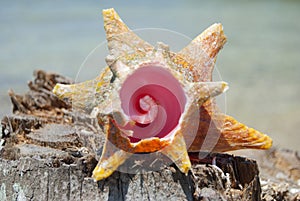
83	95
202	51
202	91
63	90
112	23
109	163
235	135
177	152
119	35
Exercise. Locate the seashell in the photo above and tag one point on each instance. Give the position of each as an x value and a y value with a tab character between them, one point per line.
150	99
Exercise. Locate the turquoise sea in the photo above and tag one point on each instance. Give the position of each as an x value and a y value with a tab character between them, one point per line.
261	60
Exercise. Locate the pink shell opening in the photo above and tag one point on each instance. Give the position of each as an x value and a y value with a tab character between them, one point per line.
154	100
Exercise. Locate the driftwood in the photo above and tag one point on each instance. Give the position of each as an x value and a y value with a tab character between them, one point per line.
48	152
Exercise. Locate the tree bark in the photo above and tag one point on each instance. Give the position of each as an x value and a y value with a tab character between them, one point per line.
48	152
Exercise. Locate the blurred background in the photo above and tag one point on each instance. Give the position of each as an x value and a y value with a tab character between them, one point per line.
260	61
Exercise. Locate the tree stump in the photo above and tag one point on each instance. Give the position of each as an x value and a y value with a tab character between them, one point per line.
48	152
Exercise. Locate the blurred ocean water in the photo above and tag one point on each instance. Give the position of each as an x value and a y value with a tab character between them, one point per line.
260	60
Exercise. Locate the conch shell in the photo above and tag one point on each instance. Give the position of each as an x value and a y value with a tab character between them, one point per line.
150	99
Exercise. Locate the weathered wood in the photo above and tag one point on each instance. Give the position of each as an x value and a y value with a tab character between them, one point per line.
45	179
48	152
279	174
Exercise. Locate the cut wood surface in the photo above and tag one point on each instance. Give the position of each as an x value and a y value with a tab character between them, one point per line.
48	152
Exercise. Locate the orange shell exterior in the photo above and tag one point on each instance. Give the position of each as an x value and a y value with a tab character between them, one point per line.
126	47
